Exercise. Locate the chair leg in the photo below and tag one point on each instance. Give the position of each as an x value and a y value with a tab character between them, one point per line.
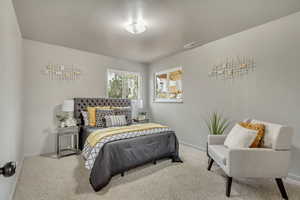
210	163
207	150
228	186
281	188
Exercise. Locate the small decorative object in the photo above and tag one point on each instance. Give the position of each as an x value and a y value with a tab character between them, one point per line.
216	124
61	117
68	109
142	116
168	85
233	68
62	124
61	72
136	105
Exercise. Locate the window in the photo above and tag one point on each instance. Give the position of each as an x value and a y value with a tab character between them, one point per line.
123	84
168	85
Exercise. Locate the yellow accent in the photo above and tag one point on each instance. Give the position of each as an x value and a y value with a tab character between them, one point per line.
176	75
98	135
259	140
162	76
92	113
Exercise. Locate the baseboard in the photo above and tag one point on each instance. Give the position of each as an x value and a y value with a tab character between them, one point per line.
18	173
192	145
293	178
34	154
31	155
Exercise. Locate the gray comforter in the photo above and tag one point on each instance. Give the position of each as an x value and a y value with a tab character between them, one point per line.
122	155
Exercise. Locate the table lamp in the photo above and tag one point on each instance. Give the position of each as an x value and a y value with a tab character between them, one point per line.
68	107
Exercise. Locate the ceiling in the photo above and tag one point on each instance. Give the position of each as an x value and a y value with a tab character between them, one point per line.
98	25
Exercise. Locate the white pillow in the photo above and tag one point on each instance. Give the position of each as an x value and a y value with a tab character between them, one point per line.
240	137
115	120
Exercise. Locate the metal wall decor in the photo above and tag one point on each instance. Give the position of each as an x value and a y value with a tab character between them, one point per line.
61	72
233	68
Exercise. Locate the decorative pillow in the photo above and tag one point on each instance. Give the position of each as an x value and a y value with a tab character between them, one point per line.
240	137
92	113
259	140
85	117
271	131
124	111
100	117
115	107
115	120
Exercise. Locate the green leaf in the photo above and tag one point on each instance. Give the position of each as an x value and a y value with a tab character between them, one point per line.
216	124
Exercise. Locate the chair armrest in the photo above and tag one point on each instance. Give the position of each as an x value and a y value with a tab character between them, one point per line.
283	139
257	163
216	139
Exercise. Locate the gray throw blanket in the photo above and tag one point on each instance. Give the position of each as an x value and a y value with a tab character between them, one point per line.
122	155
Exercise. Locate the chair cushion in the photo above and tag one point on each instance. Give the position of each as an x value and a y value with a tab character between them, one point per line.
218	153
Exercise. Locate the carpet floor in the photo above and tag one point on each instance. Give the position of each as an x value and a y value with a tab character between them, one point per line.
45	178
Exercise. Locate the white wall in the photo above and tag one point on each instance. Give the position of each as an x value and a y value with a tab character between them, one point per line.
11	140
43	96
271	93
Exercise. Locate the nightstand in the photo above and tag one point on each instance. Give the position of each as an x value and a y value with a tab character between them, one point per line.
70	133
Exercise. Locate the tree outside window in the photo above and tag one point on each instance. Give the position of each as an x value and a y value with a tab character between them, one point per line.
123	84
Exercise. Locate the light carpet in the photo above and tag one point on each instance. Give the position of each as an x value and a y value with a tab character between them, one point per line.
45	178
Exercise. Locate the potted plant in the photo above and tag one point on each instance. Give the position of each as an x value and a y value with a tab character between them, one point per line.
217	124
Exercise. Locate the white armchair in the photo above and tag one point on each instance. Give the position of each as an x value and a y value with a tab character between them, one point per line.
269	162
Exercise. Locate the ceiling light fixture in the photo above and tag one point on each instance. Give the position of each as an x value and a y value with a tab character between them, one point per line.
136	27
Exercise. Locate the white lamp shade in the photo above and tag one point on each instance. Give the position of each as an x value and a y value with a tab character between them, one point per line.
68	106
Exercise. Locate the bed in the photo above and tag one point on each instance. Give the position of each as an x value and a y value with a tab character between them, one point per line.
115	155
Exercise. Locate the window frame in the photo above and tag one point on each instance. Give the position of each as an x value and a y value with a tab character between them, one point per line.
111	70
165	100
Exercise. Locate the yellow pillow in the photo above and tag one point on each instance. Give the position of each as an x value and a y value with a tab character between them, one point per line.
259	140
92	113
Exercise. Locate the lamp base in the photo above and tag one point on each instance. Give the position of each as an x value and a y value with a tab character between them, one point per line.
70	121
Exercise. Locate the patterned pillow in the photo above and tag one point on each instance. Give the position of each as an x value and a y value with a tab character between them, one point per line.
92	113
259	140
124	111
115	120
100	117
85	117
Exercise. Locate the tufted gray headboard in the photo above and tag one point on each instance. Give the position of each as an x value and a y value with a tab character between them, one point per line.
82	104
